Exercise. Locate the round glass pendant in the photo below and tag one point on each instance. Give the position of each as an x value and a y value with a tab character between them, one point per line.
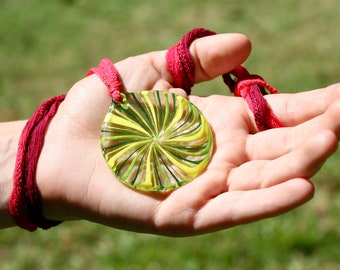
155	140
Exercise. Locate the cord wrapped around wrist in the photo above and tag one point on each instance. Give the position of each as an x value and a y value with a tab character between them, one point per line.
25	204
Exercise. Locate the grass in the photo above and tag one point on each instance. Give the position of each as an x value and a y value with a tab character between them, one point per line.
45	46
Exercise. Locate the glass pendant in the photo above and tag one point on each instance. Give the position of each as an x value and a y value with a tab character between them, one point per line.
155	140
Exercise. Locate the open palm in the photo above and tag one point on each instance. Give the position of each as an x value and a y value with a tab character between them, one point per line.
252	175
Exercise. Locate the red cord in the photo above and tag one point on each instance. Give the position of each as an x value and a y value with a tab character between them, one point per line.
108	73
252	88
179	61
25	201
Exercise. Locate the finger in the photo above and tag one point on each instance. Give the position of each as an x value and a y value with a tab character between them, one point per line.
260	145
239	207
293	109
218	54
212	55
304	161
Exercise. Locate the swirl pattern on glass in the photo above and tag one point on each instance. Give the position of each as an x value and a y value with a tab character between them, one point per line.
155	140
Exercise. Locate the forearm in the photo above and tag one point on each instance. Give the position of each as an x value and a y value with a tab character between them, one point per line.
9	137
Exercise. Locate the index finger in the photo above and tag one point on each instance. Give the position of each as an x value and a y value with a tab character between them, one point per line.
218	54
294	109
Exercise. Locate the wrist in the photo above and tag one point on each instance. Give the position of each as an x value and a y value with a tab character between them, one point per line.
9	137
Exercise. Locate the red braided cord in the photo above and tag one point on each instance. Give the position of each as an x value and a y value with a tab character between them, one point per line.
263	115
252	88
179	61
25	201
108	73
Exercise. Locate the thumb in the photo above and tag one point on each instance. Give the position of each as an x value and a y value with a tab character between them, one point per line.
212	56
218	54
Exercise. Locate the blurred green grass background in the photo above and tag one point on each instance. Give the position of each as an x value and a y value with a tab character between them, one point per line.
46	46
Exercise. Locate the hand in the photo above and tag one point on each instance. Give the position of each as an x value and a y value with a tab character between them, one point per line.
251	175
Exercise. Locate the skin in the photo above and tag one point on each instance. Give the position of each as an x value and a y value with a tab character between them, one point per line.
252	175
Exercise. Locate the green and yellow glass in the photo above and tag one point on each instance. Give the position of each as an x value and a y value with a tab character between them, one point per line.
155	140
